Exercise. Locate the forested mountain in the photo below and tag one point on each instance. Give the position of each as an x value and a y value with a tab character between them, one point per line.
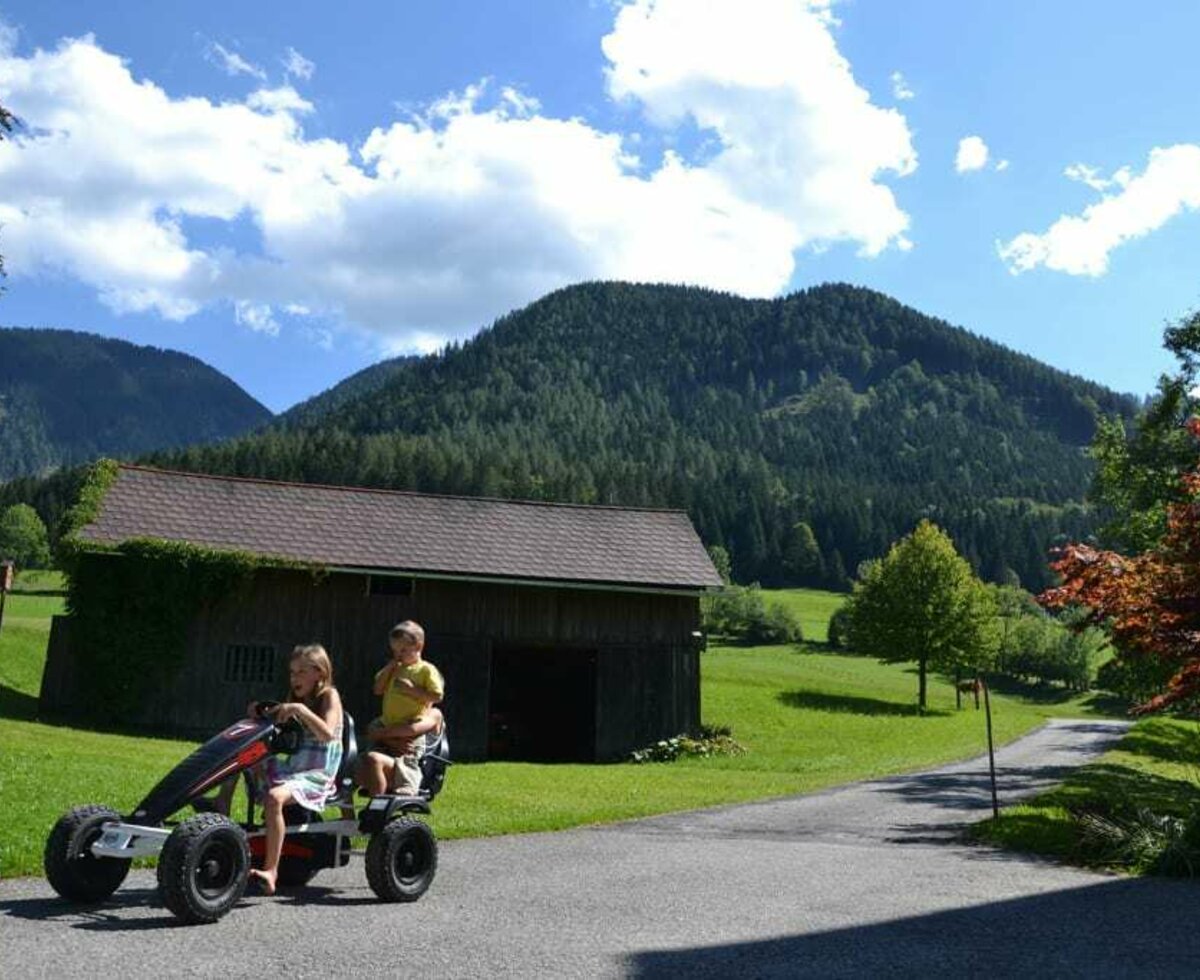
359	384
804	434
68	397
835	411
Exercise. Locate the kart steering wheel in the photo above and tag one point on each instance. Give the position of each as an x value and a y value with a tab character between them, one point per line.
262	708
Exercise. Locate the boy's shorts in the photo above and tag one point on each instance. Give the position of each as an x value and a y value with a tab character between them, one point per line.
405	775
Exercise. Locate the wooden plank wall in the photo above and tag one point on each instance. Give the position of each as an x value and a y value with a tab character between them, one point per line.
647	674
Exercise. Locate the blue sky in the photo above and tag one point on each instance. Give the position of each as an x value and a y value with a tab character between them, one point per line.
292	191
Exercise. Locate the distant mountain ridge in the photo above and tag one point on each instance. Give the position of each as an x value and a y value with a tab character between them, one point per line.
68	397
359	384
804	433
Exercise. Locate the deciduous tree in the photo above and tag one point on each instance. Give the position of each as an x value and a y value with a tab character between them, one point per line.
923	603
23	537
1150	602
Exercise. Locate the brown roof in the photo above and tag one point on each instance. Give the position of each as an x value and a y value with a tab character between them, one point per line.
408	532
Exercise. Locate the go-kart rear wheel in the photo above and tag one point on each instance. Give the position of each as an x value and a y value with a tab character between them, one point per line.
402	860
71	868
203	868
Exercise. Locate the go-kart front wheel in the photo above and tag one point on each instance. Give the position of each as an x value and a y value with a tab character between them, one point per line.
203	868
402	860
71	868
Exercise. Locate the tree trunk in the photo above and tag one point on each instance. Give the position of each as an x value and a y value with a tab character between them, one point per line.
921	674
957	688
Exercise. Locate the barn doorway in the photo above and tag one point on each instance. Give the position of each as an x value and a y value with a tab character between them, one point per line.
542	704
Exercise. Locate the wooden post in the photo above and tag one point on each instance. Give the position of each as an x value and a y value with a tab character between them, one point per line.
987	707
6	582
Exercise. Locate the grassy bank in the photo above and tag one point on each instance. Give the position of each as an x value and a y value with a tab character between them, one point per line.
813	607
1156	767
808	720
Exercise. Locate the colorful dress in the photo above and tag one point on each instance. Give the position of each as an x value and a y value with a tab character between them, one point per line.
310	772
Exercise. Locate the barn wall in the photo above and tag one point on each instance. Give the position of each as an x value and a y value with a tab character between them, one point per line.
647	679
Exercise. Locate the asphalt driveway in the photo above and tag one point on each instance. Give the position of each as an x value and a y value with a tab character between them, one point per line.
865	880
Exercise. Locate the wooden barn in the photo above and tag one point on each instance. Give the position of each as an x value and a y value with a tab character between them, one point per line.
565	632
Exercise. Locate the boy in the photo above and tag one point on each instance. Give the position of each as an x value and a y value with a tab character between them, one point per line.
410	686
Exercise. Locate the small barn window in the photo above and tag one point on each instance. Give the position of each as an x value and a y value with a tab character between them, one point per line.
245	663
389	585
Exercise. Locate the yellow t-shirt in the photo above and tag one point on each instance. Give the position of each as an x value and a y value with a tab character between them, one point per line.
398	707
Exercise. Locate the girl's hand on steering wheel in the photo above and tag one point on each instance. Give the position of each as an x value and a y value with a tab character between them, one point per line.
284	712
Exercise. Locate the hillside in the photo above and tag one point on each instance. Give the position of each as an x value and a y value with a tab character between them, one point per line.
361	383
68	397
835	411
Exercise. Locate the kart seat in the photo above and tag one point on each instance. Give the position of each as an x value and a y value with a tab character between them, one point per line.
433	764
344	793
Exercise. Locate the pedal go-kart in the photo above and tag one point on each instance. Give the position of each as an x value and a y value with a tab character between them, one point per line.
204	859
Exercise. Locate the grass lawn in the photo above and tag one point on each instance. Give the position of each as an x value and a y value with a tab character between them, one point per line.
809	720
812	606
1156	765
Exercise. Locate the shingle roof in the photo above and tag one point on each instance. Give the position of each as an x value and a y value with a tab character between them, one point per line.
408	532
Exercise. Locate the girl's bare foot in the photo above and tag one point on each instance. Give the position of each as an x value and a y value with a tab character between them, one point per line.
266	880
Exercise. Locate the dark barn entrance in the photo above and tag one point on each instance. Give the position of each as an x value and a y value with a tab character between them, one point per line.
542	705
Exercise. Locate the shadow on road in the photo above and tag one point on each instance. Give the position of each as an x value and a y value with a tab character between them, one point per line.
125	911
139	909
1120	927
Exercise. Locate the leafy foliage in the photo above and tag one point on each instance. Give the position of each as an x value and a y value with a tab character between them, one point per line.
1034	646
23	537
922	603
1141	840
131	609
1139	466
739	612
801	434
1150	602
66	398
711	740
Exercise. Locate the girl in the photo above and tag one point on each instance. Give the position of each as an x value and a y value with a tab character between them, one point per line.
308	775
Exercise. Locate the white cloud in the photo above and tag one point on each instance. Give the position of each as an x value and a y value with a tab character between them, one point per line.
1090	176
298	66
972	154
259	317
282	99
799	138
8	38
1081	244
1001	165
233	63
443	219
900	88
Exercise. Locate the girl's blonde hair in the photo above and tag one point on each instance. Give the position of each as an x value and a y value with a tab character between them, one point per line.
315	656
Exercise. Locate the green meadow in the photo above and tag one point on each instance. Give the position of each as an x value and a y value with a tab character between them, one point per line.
807	718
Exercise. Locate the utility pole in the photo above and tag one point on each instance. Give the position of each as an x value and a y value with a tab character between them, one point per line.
987	706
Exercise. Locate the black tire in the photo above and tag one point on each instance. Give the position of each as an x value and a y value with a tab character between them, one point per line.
71	868
203	867
402	860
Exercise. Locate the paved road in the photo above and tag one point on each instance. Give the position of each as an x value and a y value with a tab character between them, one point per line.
866	880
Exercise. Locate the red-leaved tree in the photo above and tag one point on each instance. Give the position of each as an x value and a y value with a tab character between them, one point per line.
1149	602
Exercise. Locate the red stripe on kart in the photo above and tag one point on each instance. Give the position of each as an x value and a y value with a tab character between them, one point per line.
251	754
258	848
